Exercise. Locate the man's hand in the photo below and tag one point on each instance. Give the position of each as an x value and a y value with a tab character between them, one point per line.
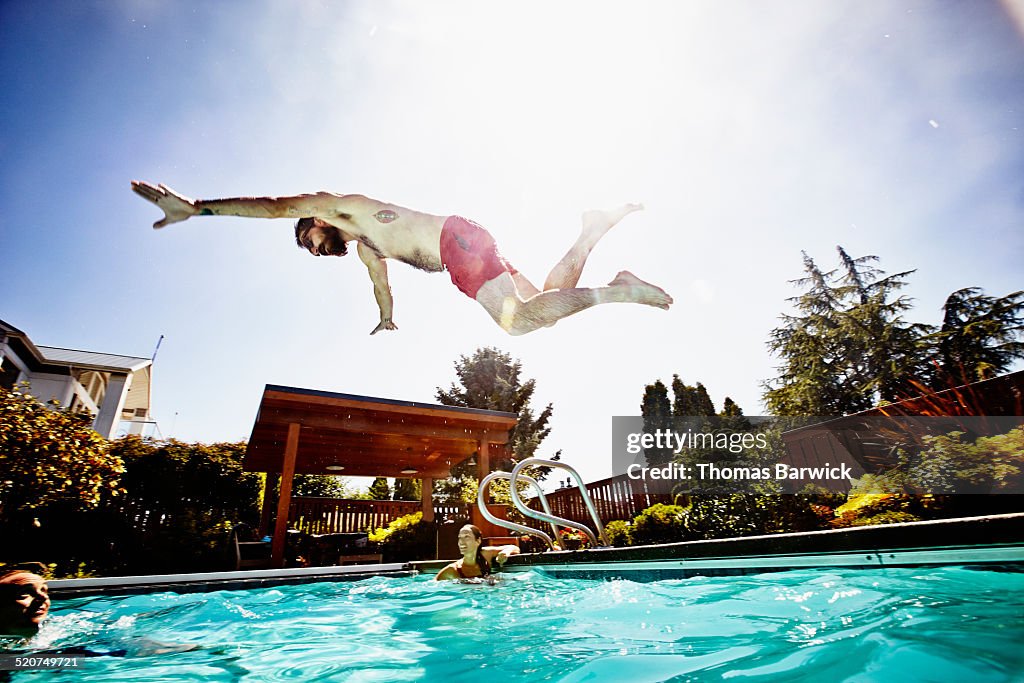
176	207
502	557
384	325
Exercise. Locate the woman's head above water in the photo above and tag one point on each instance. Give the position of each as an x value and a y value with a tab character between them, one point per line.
470	539
24	599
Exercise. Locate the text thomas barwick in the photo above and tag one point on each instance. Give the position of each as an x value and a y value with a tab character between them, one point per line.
707	470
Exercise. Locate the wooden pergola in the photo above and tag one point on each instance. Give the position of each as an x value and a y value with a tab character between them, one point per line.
304	431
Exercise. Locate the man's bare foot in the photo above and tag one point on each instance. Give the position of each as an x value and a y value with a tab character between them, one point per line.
642	292
596	223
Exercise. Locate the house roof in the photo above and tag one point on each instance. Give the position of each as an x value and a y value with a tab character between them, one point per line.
10	329
91	359
870	435
64	361
368	436
54	355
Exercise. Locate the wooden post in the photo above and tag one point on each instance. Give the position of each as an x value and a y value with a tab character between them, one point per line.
483	468
291	449
427	499
268	503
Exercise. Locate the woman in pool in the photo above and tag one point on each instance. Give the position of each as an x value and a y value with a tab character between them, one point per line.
25	604
476	559
24	600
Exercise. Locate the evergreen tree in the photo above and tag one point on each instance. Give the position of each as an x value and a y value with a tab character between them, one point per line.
682	403
980	335
732	418
657	414
730	409
885	351
491	380
688	401
691	409
848	346
379	489
809	379
702	402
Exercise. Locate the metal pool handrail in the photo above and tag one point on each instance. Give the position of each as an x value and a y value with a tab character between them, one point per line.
480	501
551	518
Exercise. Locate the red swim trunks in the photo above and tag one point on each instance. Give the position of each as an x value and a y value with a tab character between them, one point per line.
470	255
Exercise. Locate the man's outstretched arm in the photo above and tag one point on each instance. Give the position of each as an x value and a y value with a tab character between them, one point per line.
178	207
378	269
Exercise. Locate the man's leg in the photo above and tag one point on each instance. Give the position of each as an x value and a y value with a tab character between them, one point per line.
516	315
566	272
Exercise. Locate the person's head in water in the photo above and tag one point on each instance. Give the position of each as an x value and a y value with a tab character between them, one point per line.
24	600
319	237
470	542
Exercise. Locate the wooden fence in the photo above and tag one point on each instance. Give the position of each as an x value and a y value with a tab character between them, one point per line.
337	515
614	498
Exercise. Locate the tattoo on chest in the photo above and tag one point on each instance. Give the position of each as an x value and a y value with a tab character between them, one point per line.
385	215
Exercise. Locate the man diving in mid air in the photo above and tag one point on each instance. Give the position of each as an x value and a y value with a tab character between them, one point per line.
327	222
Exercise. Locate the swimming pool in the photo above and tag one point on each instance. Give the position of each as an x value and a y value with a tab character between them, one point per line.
939	623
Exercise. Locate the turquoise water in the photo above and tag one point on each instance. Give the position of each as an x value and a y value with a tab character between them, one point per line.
938	624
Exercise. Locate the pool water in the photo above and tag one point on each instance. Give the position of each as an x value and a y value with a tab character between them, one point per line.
936	624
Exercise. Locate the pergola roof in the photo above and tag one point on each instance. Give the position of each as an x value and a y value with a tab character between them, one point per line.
368	436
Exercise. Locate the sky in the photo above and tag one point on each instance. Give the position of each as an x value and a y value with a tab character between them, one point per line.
750	131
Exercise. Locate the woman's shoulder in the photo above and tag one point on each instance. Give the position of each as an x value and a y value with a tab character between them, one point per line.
450	571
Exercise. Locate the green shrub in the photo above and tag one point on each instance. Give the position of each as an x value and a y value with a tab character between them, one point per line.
888	517
660	524
619	533
406	538
198	491
882	508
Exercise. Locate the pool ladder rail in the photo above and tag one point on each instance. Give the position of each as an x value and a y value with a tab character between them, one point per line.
597	539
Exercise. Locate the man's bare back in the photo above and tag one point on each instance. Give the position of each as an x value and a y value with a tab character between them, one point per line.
432	243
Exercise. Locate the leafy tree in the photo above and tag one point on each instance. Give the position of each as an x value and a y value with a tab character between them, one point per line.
379	489
980	335
320	486
48	456
174	476
456	490
848	346
181	499
55	474
949	464
491	380
407	489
